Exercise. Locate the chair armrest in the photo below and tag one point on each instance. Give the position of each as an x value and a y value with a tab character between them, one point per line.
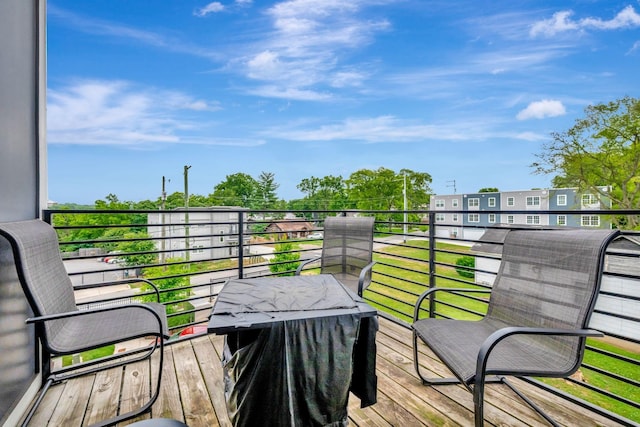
363	274
303	263
428	292
492	340
48	317
120	282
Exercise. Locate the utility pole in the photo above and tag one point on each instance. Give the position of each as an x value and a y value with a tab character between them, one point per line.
163	197
404	193
454	185
186	212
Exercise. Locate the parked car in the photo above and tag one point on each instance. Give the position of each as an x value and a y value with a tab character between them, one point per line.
315	235
189	330
111	255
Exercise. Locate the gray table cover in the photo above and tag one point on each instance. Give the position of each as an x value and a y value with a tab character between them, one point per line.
313	342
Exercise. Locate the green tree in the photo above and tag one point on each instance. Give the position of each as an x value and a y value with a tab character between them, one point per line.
284	262
488	190
600	155
133	244
266	195
170	278
238	189
175	200
327	193
382	189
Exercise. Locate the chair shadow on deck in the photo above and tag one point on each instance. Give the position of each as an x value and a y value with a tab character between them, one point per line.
537	319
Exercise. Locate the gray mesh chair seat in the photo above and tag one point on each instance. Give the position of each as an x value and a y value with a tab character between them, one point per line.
347	251
97	329
538	315
63	328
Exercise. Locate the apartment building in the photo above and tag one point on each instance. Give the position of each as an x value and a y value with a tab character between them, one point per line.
211	233
478	211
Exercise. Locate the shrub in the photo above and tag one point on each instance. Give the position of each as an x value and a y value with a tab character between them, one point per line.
466	263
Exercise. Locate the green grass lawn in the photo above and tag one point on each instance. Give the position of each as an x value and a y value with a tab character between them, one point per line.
90	355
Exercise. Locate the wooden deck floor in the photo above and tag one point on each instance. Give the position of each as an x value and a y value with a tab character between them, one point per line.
192	392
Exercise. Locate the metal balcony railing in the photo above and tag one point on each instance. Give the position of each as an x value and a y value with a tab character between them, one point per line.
191	259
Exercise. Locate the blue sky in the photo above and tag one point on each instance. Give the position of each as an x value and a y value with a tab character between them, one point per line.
466	90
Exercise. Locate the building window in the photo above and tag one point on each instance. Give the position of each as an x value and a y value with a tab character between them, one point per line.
221	236
492	202
474	217
439	217
533	201
455	217
198	249
562	220
589	200
510	219
562	200
439	203
511	201
533	219
454	203
474	203
492	218
590	221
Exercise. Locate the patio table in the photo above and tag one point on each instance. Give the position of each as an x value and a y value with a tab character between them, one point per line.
294	348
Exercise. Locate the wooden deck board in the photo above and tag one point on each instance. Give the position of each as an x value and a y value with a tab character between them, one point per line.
193	392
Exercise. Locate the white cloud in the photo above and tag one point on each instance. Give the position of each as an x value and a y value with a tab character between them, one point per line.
386	129
542	109
304	47
634	48
561	22
289	93
531	136
213	7
95	112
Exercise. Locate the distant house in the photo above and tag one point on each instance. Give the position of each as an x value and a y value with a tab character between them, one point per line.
290	229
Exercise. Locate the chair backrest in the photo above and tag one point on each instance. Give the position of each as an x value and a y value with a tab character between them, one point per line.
347	248
40	269
550	279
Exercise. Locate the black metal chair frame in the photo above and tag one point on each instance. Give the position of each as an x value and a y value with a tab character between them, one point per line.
14	235
476	385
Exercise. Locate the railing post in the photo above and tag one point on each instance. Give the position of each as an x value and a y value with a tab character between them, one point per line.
240	245
46	217
432	262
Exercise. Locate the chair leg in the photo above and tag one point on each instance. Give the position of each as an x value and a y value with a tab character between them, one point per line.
478	401
32	411
144	408
119	418
416	364
530	402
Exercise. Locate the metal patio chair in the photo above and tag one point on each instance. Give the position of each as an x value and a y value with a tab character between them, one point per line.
63	328
347	251
537	318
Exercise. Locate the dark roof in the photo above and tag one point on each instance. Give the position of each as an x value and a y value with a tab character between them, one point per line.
491	241
291	225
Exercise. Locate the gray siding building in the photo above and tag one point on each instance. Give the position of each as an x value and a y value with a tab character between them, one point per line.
479	211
